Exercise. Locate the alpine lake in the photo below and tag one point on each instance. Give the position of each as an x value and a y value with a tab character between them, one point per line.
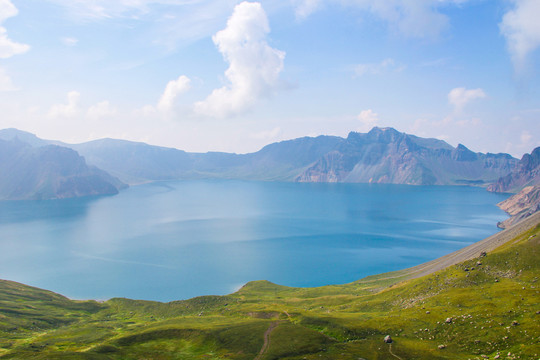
175	240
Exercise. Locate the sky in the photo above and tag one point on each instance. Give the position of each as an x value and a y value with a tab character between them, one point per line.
227	75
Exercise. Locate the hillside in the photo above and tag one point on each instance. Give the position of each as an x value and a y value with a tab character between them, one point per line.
477	305
49	172
383	155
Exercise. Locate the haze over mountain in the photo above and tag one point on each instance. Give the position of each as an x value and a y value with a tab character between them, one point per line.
49	172
383	155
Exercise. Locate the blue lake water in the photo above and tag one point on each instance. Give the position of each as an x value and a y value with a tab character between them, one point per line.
175	240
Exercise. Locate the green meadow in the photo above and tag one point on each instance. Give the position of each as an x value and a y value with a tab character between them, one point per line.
486	307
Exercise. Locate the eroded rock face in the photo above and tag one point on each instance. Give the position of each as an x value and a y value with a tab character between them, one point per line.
526	173
385	155
521	205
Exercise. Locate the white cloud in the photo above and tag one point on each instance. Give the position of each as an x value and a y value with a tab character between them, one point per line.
254	66
69	110
8	48
7	10
521	28
415	18
378	68
368	119
304	8
69	41
172	90
98	9
459	97
101	110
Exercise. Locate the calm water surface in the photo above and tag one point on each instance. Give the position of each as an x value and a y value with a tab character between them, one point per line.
175	240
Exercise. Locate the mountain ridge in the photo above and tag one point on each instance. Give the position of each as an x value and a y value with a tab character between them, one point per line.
383	155
49	172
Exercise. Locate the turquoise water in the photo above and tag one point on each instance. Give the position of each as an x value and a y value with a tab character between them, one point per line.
175	240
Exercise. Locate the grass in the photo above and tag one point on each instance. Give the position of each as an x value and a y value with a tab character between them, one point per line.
492	304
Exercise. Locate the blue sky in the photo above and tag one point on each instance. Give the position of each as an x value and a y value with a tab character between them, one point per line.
224	75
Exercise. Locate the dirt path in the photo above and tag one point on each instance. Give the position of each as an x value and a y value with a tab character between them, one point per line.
392	353
266	343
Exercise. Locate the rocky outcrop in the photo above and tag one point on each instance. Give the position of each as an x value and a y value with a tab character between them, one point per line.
49	172
526	173
521	205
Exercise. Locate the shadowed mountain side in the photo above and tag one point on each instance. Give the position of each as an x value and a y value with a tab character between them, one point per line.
49	172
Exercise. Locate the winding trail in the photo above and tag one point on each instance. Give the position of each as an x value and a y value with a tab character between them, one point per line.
392	353
266	343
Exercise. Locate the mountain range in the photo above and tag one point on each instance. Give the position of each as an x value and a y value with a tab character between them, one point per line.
383	155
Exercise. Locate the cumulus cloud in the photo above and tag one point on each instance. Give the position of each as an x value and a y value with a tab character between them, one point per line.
254	66
100	110
8	47
459	97
69	110
521	28
172	90
368	119
378	68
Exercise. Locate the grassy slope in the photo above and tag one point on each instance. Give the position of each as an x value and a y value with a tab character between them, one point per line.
342	321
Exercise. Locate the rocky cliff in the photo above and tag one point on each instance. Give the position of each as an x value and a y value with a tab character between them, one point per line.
521	205
527	172
385	155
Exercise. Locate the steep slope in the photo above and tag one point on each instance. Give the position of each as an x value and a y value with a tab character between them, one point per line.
521	205
49	172
482	306
526	173
385	155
